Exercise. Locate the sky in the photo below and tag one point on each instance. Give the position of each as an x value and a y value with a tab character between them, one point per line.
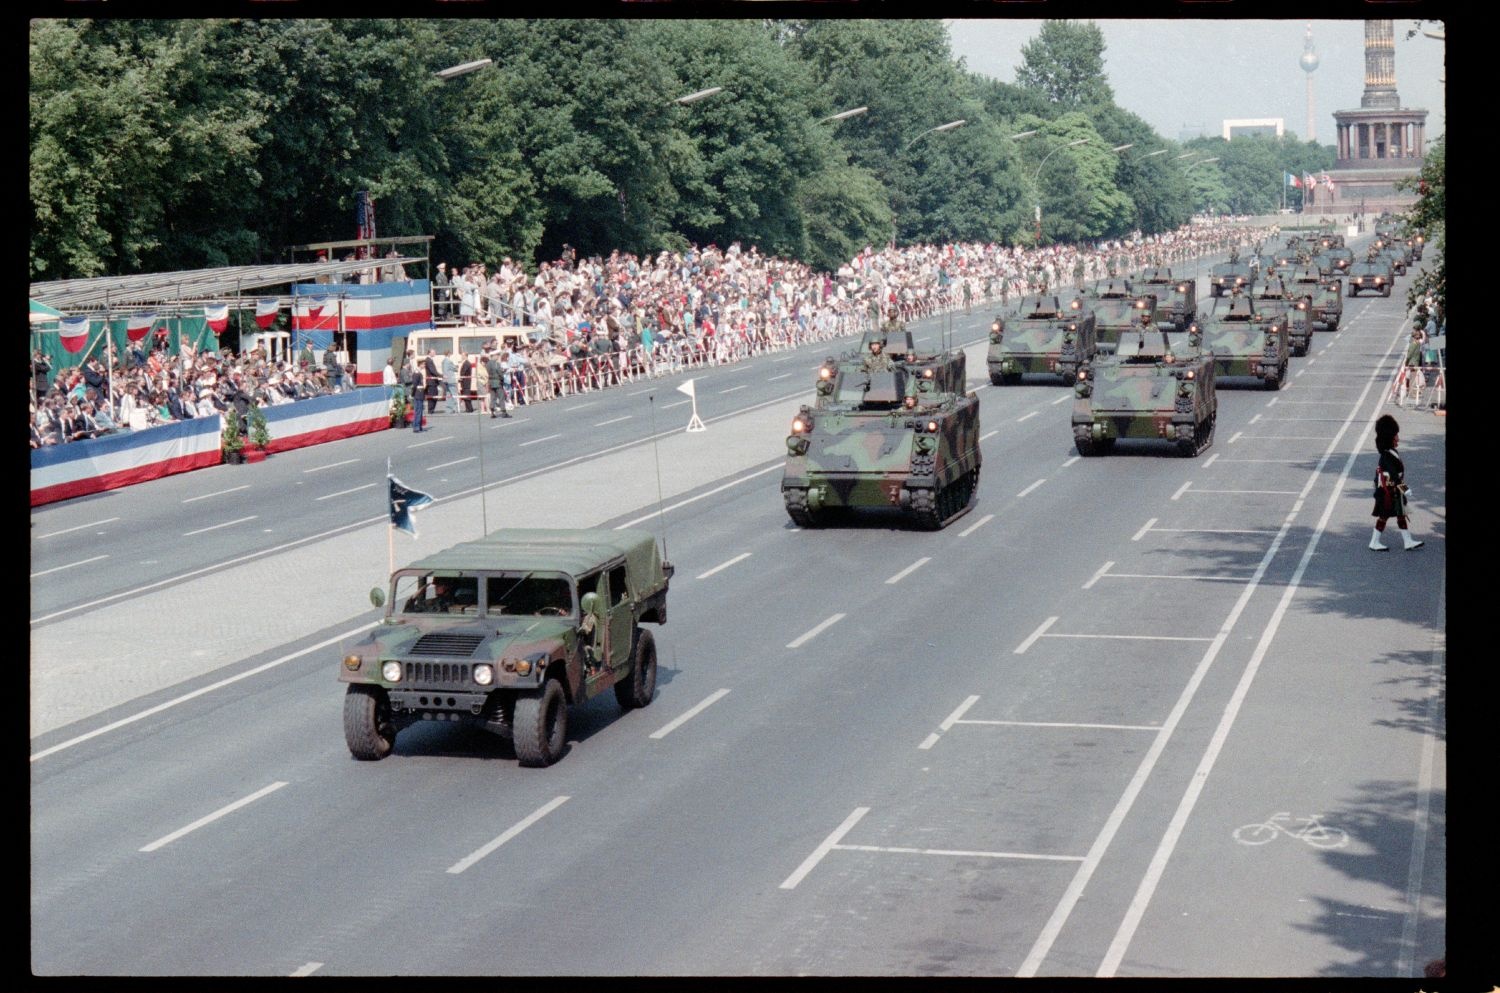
1229	69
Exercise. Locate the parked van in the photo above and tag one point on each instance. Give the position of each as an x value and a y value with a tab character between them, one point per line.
467	338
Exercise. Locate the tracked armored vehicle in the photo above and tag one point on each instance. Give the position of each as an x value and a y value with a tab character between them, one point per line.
1176	299
1371	274
504	633
1327	307
1246	342
1226	277
1045	335
1117	308
884	438
1281	301
1156	386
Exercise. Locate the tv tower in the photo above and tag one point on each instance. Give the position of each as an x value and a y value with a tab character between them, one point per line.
1309	62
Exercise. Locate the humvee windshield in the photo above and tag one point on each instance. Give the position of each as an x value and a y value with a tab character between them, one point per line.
508	593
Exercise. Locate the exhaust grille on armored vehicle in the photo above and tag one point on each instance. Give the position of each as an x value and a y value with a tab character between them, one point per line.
444	643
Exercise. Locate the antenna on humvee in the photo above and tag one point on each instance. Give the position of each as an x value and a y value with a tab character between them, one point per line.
661	513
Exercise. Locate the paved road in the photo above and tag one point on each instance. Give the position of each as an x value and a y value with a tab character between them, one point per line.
1125	710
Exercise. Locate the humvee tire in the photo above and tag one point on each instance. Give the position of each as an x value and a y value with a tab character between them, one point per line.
541	725
638	690
367	723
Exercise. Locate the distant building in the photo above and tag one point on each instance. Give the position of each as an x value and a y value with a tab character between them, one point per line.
1241	127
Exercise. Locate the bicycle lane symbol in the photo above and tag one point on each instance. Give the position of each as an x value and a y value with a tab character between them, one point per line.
1309	830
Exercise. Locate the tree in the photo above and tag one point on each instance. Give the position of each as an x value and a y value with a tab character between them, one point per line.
1429	215
1065	64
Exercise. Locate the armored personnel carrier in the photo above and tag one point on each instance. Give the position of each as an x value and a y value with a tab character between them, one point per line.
1045	335
1156	386
1418	242
884	438
945	370
1371	274
1245	342
1281	300
1226	277
1343	258
504	633
1176	299
1327	307
1117	308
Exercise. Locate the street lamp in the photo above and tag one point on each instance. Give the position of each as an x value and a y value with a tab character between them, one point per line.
1037	175
1152	155
941	127
695	97
845	115
453	72
1022	134
1121	148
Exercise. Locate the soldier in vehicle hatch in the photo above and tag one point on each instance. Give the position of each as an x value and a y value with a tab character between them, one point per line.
876	360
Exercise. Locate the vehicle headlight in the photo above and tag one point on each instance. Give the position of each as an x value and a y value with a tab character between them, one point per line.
825	373
484	674
352	662
391	672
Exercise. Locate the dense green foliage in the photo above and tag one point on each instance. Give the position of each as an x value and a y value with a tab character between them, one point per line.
161	145
1429	216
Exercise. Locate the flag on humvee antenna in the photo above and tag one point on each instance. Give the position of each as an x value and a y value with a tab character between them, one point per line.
403	501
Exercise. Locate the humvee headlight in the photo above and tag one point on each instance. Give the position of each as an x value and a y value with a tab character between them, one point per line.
484	675
391	672
352	662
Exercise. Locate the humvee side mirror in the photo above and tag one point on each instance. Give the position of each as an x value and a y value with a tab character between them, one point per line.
377	596
589	602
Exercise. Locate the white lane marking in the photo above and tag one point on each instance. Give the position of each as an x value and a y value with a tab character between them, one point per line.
700	496
1285	437
331	465
1273	461
1065	724
150	711
1228	577
809	636
976	525
1074	892
919	563
510	833
1217	530
679	403
1312	360
1234	437
221	812
1298	373
429	441
340	493
1071	461
948	722
1128	637
733	388
782	376
1059	400
510	421
957	852
785	358
1272	401
215	527
1144	528
1211	460
724	565
579	406
1030	488
306	970
649	389
827	846
1270	492
70	565
444	465
538	441
614	420
987	437
1027	417
1031	639
210	496
1181	490
683	718
981	386
80	527
1098	575
1254	419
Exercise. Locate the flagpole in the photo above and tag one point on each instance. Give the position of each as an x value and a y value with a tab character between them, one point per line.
390	529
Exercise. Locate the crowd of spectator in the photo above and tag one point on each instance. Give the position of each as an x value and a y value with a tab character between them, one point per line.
594	322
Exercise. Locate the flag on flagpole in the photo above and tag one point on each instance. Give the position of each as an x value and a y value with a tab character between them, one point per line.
265	311
217	317
687	387
74	332
1308	181
403	501
1292	180
139	325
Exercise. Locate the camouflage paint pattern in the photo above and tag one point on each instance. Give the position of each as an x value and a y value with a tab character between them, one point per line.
1246	341
1156	386
1116	307
1176	299
946	370
1374	276
1045	335
1328	305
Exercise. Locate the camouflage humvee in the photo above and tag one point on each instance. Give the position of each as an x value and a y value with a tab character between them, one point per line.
1043	336
1246	342
883	437
1176	299
1117	308
1371	274
504	633
946	370
1155	386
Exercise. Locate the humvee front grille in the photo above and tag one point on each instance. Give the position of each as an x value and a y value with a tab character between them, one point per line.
442	673
453	645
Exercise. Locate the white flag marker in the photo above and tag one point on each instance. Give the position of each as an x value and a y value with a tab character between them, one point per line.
694	424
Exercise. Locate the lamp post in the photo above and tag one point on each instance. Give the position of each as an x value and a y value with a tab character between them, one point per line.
1037	175
701	94
941	127
1152	155
845	115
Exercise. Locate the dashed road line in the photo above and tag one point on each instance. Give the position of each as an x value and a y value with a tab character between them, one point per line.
976	525
724	565
510	833
209	819
919	563
80	527
810	635
809	863
444	465
330	496
1103	569
538	441
615	420
1030	488
70	565
1031	639
682	719
331	465
1182	489
1144	528
210	496
215	527
1027	417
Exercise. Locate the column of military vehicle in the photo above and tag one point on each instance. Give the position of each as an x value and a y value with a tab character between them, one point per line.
1044	336
1277	301
1158	384
1176	298
1117	308
1246	342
